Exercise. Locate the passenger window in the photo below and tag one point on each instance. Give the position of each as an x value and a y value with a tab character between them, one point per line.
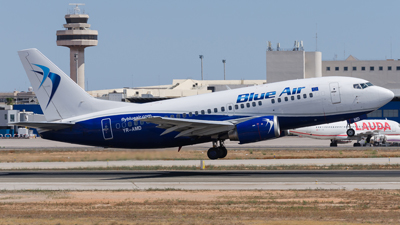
248	105
135	123
304	95
272	101
279	100
286	99
242	106
254	104
311	95
141	122
292	97
236	107
184	115
222	109
203	112
298	97
196	113
209	111
215	110
172	116
123	125
130	124
190	114
116	125
178	116
259	102
230	108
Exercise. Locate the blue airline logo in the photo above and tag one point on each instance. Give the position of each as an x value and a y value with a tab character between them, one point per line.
251	96
55	79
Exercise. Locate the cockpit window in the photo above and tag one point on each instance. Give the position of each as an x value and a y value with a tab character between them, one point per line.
362	86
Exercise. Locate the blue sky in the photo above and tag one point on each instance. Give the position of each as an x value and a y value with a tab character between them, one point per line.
144	43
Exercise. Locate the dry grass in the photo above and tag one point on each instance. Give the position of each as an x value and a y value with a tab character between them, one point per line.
201	207
73	155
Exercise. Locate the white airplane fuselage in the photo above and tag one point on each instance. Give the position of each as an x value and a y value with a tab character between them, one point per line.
337	130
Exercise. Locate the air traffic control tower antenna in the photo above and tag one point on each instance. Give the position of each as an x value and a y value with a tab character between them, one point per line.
77	36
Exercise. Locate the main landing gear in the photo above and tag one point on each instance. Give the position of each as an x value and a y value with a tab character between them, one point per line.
333	143
217	152
350	132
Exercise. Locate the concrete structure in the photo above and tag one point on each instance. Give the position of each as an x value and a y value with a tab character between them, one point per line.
292	63
77	36
178	88
18	97
298	64
384	73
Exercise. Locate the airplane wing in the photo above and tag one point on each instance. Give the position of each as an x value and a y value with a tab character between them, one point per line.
44	125
366	133
191	127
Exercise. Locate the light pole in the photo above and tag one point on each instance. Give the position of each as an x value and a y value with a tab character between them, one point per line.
201	58
224	61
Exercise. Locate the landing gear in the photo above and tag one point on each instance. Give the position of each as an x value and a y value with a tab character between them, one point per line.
357	144
350	132
217	152
333	143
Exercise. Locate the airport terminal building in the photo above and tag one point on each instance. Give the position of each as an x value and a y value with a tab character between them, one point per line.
298	64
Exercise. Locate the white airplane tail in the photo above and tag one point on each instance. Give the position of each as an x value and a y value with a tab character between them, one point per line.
59	96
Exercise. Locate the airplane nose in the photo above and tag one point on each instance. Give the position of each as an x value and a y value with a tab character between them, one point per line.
386	95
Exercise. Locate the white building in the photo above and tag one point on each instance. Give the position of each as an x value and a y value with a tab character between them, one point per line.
178	88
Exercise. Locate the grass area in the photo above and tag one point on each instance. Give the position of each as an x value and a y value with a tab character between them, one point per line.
330	207
77	155
233	167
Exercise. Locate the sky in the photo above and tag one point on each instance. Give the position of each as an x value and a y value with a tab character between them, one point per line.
152	42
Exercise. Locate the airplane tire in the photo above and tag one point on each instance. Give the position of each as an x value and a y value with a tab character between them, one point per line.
333	144
212	153
357	144
222	152
350	132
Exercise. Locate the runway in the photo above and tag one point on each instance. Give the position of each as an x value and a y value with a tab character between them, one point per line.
284	142
198	180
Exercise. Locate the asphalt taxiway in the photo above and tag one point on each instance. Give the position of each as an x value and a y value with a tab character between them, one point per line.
198	180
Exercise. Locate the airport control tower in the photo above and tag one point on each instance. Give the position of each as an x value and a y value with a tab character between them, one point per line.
77	36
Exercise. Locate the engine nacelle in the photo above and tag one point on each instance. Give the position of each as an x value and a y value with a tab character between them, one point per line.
257	129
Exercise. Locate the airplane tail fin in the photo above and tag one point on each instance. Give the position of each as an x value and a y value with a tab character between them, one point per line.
59	96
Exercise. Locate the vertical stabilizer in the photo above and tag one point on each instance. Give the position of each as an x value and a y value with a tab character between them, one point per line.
59	96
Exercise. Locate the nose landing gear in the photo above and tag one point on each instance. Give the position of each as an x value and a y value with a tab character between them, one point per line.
217	152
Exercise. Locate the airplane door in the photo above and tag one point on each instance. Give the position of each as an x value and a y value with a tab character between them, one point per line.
335	93
107	129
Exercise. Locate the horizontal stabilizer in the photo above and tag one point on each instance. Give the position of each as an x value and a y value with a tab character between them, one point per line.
44	125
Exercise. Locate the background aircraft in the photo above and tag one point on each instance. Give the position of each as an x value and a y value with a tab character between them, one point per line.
246	115
366	131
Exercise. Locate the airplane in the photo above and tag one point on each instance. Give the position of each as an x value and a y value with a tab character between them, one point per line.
246	115
367	131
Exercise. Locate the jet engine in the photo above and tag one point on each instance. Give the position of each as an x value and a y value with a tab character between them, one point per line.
257	129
